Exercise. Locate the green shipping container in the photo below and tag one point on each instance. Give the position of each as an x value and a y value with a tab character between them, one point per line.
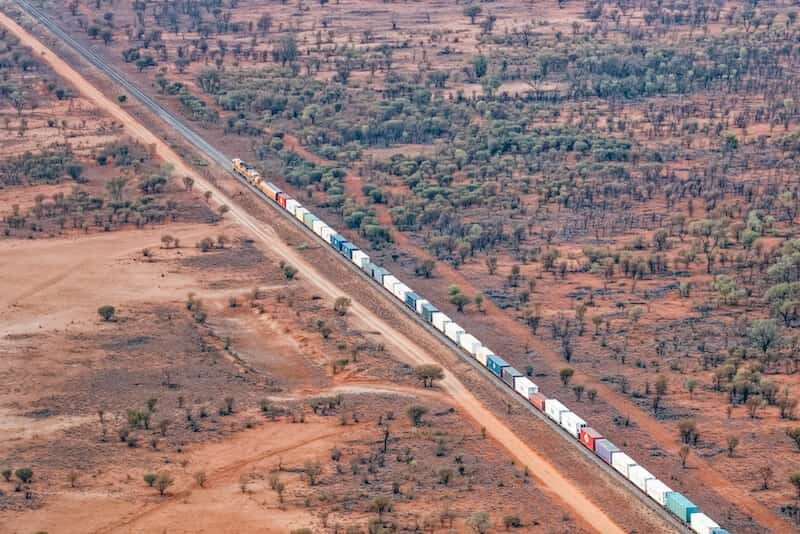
679	505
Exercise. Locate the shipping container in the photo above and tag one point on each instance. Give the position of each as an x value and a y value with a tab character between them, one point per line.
400	291
337	240
469	343
327	233
440	321
658	491
639	476
428	311
389	281
605	449
380	274
280	198
524	386
572	423
360	258
300	213
420	303
309	219
553	408
589	436
292	205
509	374
318	226
411	300
483	355
719	531
539	400
679	505
347	249
495	364
622	463
453	331
702	524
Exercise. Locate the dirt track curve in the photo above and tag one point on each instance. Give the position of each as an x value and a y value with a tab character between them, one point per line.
592	516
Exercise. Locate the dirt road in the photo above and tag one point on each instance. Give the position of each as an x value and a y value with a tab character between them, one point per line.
585	509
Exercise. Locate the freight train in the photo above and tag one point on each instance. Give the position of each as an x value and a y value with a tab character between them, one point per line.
573	424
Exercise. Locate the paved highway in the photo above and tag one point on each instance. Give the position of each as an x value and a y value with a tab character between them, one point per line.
225	162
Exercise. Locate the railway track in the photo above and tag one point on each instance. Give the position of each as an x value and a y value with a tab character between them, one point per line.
215	155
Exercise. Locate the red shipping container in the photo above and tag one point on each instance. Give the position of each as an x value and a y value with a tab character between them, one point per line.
537	399
588	436
282	199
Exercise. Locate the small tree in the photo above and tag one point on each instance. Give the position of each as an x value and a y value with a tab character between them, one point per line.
201	478
472	11
106	312
312	470
381	505
754	403
691	384
163	482
733	442
150	479
341	305
566	375
415	413
24	474
289	272
7	474
428	374
479	522
578	390
765	472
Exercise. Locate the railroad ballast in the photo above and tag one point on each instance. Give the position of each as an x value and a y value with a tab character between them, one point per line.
571	423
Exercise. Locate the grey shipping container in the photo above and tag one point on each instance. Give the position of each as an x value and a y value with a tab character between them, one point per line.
604	449
379	273
428	310
508	375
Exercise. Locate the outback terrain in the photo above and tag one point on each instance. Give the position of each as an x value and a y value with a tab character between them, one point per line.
604	192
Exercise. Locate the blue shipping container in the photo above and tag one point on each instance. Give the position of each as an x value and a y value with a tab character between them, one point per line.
379	273
348	248
508	375
427	311
309	218
496	364
336	241
411	300
679	505
719	531
604	449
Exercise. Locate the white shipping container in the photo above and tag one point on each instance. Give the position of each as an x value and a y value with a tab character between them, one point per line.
360	259
299	213
524	386
440	321
639	476
622	463
389	281
317	226
702	524
453	331
420	302
572	423
483	355
326	233
657	491
553	408
400	291
291	205
469	343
